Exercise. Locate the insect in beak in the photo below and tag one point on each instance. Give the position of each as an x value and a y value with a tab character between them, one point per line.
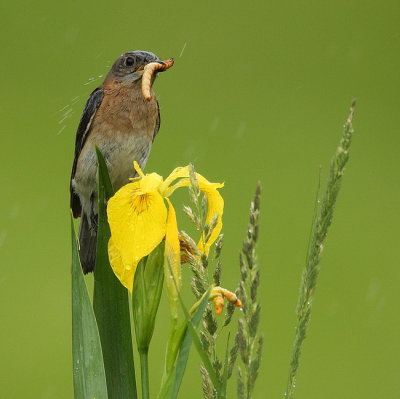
149	70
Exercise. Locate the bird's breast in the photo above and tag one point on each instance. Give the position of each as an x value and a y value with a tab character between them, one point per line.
125	110
123	129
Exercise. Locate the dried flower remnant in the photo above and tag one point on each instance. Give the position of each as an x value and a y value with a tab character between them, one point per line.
217	296
148	72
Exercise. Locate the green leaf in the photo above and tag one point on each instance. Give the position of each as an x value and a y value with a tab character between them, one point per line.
147	288
88	367
111	305
171	288
104	178
174	344
192	323
184	338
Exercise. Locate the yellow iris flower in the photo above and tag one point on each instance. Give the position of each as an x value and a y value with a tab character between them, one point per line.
140	215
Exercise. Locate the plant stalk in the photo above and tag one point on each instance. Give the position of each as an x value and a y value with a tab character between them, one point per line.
322	220
144	368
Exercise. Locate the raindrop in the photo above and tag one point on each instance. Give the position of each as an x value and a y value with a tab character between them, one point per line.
63	119
62	109
60	131
90	80
15	211
214	124
240	130
183	49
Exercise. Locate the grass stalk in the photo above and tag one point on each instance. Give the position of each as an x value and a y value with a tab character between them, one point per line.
248	342
322	220
144	373
201	281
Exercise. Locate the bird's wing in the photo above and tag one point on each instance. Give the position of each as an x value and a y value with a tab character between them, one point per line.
158	122
89	112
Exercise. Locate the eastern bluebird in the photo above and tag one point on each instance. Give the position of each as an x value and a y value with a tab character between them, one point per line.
123	125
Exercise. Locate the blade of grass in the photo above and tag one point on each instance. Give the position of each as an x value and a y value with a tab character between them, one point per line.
322	220
174	346
111	306
197	343
187	341
171	385
88	367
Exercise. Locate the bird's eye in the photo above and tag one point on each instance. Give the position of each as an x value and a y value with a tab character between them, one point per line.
129	61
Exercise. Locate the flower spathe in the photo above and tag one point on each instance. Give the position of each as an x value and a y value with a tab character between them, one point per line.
141	214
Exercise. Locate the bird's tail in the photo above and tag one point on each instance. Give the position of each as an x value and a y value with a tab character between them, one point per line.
87	244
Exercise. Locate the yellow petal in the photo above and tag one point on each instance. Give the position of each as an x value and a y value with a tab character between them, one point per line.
124	273
137	221
172	245
150	182
177	173
215	202
172	261
137	168
185	182
215	205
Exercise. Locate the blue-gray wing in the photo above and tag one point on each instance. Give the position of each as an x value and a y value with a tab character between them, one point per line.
89	112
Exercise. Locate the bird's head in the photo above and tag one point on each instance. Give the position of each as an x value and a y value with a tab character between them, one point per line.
129	67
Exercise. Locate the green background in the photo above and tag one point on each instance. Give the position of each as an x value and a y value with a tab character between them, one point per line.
259	91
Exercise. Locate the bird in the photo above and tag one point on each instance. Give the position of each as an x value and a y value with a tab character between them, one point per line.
122	124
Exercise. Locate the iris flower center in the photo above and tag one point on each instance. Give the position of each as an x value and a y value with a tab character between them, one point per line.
141	203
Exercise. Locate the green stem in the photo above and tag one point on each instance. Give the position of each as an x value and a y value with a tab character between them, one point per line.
221	395
322	220
144	368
